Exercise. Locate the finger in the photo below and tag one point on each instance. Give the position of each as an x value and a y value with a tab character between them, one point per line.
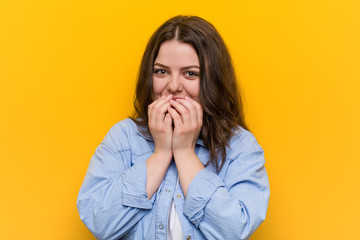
151	105
190	106
175	116
199	110
154	108
160	112
167	120
155	104
182	110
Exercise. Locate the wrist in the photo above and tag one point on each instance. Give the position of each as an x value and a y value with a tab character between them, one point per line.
163	155
184	154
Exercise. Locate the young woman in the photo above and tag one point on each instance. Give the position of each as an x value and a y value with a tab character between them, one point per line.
185	166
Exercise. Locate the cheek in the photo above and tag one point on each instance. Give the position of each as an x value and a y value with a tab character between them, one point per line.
158	86
193	89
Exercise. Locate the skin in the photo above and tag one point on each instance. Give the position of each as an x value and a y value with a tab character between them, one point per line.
176	87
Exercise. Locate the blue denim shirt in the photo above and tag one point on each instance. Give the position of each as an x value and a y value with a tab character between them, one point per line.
113	202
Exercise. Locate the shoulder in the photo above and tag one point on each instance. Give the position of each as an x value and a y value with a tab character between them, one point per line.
243	153
122	128
126	125
243	141
122	134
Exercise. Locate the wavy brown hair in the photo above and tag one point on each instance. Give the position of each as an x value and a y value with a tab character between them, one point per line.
219	95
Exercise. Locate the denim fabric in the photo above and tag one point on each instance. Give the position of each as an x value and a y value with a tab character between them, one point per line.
231	204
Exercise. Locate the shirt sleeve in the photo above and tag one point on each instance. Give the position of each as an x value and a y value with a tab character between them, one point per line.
113	197
234	207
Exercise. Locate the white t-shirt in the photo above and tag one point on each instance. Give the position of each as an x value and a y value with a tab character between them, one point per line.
174	231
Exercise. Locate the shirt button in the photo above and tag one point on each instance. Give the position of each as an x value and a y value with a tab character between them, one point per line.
167	190
188	237
178	196
161	227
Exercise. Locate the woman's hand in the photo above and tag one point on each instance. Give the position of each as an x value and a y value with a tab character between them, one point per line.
187	115
160	125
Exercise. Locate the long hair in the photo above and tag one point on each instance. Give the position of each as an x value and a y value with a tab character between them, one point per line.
219	95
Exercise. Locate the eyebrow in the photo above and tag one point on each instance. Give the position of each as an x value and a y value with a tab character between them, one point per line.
186	67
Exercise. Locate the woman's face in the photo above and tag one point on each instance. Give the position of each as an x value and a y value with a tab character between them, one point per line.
176	71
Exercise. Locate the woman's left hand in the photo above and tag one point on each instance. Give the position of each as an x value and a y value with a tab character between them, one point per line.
187	115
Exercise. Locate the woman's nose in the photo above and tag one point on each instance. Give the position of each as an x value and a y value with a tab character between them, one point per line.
175	84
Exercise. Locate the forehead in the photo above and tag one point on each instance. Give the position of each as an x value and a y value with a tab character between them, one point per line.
177	53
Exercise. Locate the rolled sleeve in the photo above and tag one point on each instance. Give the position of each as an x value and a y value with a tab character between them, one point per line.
134	187
112	198
233	204
200	191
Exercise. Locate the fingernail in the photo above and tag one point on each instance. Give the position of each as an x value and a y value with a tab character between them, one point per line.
187	97
163	96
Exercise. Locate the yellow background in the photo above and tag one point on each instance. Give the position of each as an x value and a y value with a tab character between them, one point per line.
68	69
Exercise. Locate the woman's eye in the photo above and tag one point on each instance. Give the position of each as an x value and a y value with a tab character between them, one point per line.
160	71
191	74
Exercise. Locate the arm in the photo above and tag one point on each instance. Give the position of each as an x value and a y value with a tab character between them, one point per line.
113	197
116	195
187	115
234	207
222	209
161	131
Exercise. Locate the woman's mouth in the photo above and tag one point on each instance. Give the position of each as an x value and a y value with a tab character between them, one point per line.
175	98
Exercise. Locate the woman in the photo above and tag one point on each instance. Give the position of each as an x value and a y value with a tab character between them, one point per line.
185	166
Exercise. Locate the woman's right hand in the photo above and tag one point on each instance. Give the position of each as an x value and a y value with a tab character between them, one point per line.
160	125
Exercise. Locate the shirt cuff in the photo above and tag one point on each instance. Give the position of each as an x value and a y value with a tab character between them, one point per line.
134	187
199	193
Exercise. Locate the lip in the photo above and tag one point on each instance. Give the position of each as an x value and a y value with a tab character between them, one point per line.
175	98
